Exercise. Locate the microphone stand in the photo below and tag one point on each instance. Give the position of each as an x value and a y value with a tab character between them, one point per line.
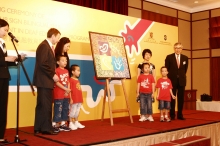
20	63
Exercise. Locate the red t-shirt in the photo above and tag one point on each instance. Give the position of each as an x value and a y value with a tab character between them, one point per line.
164	85
145	83
63	75
76	91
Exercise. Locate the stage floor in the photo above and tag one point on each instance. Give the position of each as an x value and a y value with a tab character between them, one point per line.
98	132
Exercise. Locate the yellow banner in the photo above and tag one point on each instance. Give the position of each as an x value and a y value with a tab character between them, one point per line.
30	20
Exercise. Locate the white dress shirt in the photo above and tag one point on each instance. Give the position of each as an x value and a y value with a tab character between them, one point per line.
2	42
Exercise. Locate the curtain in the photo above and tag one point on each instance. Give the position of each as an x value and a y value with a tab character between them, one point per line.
159	18
214	31
215	78
114	6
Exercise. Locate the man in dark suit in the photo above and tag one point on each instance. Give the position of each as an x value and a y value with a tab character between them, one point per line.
44	78
177	65
5	61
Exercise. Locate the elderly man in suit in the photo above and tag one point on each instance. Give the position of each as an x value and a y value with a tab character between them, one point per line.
44	78
177	65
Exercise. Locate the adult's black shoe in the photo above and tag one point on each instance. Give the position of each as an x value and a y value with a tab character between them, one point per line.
181	118
37	131
4	141
172	118
49	133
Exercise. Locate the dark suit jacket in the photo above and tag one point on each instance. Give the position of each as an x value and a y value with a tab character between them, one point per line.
176	73
4	72
44	66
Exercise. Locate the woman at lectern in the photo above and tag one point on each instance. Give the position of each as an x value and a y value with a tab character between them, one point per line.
5	61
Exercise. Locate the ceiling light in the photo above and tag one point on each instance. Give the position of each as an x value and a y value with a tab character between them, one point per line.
196	2
173	1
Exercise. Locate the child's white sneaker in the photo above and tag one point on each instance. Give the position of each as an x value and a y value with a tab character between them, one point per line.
167	119
72	126
142	119
150	118
161	119
78	125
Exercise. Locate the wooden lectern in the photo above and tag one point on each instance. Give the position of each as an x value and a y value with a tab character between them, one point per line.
190	99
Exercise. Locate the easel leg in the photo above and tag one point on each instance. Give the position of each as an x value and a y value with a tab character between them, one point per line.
103	106
109	102
126	99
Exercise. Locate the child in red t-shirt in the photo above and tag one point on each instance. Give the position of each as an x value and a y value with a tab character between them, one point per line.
145	90
164	87
76	98
61	96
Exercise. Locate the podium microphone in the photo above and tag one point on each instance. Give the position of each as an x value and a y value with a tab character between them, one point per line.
13	37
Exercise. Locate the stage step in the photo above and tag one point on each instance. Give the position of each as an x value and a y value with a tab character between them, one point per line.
189	141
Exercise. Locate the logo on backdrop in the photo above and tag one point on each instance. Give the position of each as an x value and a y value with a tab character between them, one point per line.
165	37
151	35
165	42
133	35
150	38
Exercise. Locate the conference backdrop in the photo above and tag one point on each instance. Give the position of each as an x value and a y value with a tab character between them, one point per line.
30	20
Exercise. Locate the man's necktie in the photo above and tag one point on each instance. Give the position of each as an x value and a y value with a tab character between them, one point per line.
53	50
177	60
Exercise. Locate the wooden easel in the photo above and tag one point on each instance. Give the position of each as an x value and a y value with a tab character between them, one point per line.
107	92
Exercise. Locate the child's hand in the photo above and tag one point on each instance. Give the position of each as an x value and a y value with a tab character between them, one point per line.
71	101
153	100
56	78
174	97
138	99
66	94
157	97
152	96
68	90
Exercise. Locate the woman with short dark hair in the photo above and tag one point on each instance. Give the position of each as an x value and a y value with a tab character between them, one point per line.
147	54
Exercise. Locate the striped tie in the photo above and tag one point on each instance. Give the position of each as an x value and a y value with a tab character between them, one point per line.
53	50
177	60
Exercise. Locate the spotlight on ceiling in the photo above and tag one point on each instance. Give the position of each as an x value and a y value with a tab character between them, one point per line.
175	1
196	2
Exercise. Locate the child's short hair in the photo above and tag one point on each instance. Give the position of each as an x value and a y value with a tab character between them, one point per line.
145	64
146	51
162	68
58	57
73	68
